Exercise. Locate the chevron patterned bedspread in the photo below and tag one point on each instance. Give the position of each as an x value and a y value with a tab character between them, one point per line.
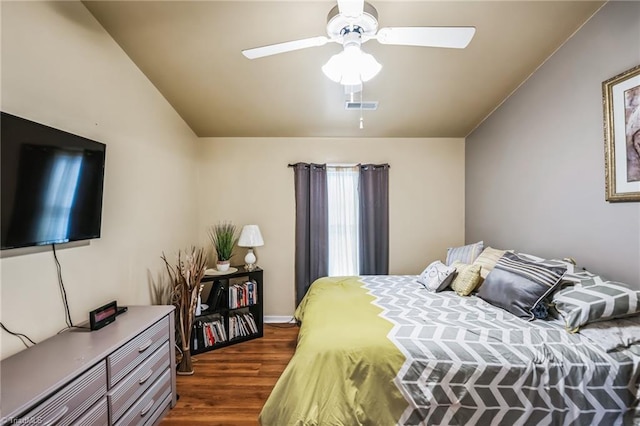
453	361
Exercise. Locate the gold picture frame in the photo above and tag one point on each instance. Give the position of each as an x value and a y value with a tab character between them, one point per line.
621	102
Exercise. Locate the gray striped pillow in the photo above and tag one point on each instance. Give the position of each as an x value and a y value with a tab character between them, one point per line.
518	285
596	301
570	267
573	274
465	254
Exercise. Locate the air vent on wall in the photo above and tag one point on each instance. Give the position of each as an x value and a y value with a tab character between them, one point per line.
365	106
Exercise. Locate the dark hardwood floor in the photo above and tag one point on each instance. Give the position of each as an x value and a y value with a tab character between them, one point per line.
230	385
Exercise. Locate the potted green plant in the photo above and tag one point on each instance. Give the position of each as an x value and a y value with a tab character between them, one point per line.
224	238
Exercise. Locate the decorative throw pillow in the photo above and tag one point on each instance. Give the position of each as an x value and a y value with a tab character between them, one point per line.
582	277
540	311
518	285
573	275
437	276
592	301
466	279
566	264
488	259
529	257
465	254
613	334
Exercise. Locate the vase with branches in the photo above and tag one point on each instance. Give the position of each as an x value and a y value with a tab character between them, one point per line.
186	277
224	237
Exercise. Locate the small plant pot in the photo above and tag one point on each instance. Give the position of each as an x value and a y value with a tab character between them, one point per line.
223	266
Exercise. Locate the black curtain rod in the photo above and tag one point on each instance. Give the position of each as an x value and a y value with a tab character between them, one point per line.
359	164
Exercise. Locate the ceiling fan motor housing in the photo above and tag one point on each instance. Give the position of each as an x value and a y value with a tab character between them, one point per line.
339	25
351	39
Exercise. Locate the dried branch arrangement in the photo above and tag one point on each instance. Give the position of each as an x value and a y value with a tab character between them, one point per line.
160	289
185	277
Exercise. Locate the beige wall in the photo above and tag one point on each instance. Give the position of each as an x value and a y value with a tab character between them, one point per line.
247	181
535	168
61	68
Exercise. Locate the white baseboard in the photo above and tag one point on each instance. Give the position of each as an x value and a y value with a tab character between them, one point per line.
278	319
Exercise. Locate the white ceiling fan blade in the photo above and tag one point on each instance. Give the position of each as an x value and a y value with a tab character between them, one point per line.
452	37
351	8
287	46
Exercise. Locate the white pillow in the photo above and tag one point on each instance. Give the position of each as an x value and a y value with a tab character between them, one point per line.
613	334
437	276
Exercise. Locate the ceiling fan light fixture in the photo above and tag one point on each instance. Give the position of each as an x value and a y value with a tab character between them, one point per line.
333	68
352	66
369	67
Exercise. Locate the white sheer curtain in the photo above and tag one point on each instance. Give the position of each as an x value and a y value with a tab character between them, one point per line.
343	218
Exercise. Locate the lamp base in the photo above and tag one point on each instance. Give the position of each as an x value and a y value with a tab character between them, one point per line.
250	260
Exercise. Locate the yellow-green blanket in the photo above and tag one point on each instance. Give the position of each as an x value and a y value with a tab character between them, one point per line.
382	350
338	377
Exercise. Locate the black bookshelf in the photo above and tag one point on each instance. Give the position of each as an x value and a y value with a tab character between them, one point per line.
235	303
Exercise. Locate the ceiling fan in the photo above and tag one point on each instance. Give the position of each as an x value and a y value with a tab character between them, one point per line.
353	22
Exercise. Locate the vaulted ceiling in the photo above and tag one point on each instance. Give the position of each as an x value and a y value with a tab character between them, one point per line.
191	51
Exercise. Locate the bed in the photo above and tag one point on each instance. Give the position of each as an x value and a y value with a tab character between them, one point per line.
382	350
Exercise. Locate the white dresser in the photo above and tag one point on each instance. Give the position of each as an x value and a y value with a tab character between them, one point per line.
122	374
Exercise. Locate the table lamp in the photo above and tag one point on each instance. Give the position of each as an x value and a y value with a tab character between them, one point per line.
250	237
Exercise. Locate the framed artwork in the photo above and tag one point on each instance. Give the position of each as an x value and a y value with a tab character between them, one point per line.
621	101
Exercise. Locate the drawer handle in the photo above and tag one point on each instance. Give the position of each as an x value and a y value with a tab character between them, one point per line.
57	416
145	346
145	377
146	409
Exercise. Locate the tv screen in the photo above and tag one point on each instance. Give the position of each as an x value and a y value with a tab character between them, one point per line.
51	184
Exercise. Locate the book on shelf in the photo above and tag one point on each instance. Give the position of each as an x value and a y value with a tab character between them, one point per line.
252	323
219	331
208	333
241	295
250	286
254	292
210	340
217	297
242	325
196	341
232	327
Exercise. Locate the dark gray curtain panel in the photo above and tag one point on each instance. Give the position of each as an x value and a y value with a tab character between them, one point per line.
312	245
374	219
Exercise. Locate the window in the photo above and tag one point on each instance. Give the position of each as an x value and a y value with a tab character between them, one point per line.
343	220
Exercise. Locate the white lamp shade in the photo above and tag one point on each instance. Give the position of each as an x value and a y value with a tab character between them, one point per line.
250	237
351	67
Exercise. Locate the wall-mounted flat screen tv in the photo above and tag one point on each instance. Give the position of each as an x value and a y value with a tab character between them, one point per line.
51	182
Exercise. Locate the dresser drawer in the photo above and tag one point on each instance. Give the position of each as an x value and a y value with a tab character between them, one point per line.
96	416
132	354
70	402
143	410
135	384
160	412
